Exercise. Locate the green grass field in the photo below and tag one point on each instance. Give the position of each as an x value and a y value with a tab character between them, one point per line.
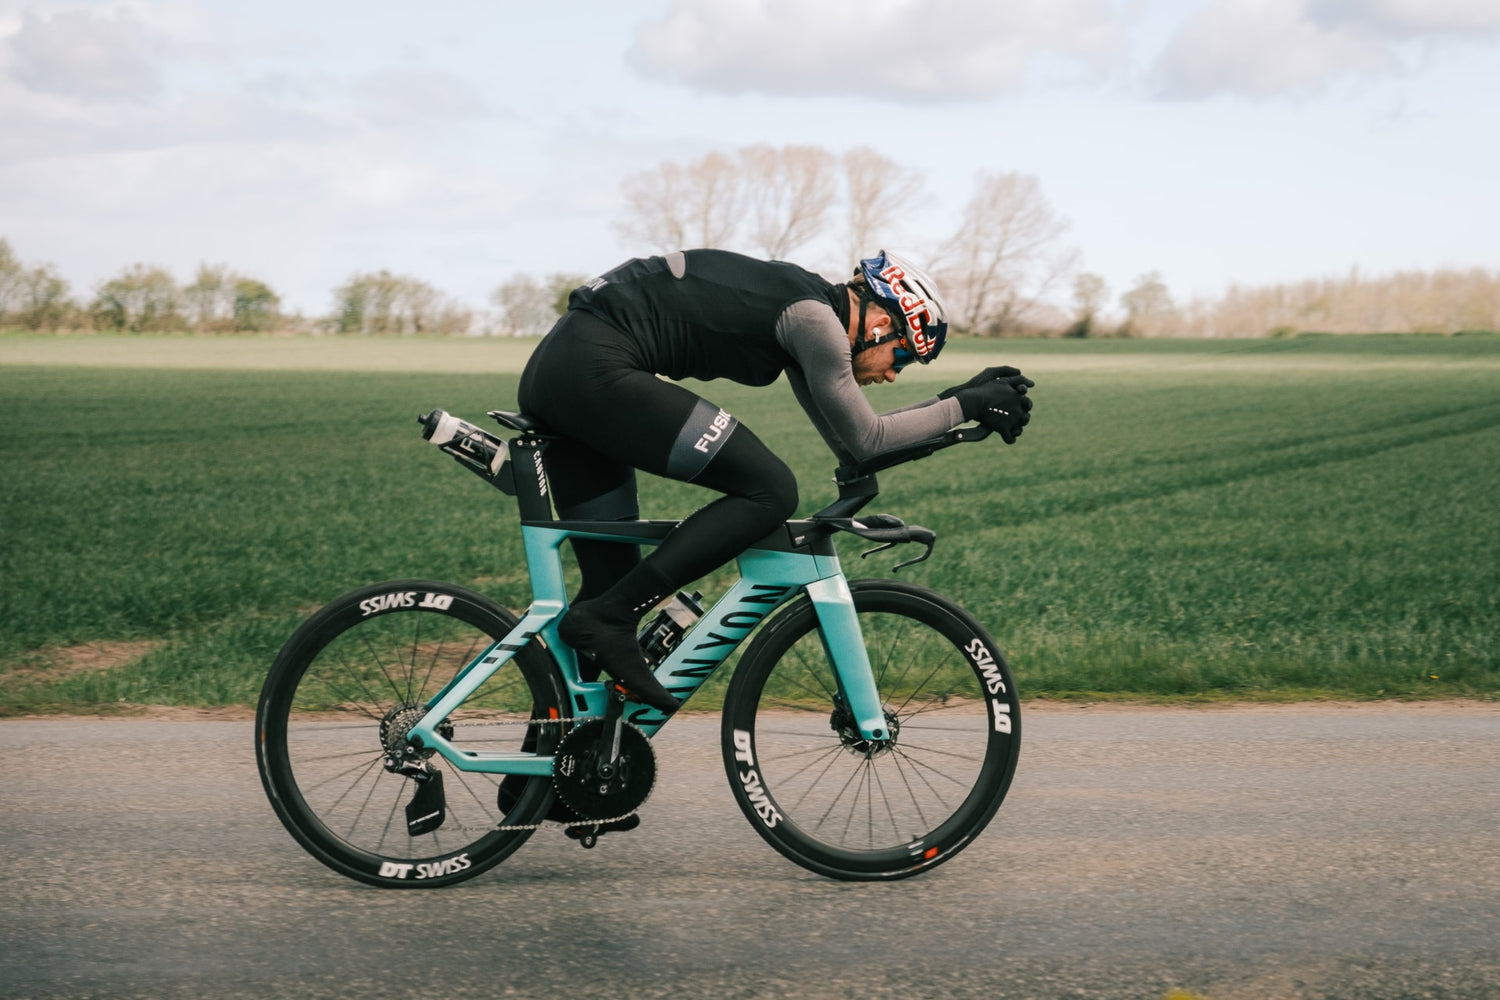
1255	519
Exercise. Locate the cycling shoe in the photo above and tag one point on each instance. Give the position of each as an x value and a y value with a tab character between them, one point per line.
613	645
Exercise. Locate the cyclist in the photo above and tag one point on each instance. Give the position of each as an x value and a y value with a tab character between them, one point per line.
709	314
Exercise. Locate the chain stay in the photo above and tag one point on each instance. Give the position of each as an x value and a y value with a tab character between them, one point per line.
546	823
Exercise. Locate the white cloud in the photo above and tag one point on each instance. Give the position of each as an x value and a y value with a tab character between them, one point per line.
76	53
418	97
885	49
1267	48
1401	19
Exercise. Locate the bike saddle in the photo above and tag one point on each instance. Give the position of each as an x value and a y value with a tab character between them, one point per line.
523	422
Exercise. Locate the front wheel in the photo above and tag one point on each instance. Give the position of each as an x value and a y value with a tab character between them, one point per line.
859	809
331	734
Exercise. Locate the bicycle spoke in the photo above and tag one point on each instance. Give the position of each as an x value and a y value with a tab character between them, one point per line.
390	817
923	766
832	760
885	799
907	747
362	768
835	751
416	645
911	793
919	687
862	774
832	805
322	758
797	733
396	691
787	755
894	645
358	680
463	780
359	813
912	660
816	675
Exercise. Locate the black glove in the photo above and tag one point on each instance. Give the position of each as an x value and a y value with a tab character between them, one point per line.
1001	404
988	375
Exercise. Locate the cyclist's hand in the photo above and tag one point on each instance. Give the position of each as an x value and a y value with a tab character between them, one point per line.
988	375
1000	404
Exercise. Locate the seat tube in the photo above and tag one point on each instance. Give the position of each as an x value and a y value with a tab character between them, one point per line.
839	625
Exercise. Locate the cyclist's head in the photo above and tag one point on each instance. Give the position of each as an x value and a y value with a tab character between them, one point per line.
910	298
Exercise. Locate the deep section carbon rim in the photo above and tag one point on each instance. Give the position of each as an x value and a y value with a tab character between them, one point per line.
333	717
859	809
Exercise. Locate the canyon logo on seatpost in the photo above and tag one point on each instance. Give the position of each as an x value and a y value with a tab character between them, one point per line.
701	437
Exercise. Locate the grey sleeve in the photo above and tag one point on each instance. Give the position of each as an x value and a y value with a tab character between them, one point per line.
823	383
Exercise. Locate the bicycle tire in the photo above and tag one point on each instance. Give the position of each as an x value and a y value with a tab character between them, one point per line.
357	670
855	810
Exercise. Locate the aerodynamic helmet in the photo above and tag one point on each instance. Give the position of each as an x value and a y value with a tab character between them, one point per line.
905	292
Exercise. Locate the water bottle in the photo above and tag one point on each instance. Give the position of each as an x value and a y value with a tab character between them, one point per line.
476	450
668	627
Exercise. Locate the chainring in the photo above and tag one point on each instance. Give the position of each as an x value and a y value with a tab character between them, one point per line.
576	777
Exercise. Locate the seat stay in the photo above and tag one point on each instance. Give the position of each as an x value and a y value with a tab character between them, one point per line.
465	683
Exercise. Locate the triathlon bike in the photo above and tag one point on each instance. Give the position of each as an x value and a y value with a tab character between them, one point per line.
416	733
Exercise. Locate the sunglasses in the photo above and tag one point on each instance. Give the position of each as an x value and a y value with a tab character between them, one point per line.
903	355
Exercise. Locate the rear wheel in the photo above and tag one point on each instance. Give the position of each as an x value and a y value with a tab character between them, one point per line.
331	734
853	808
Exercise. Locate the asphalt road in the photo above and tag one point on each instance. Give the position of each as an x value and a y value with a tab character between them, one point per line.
1333	852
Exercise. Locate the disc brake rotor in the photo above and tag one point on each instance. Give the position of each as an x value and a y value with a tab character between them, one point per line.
592	795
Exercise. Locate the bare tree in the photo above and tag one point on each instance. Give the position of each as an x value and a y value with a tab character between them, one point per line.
529	307
1090	293
1443	301
877	190
386	303
654	200
523	305
42	299
788	192
10	276
142	298
673	207
220	300
784	196
35	298
204	300
1148	306
256	308
713	204
1005	256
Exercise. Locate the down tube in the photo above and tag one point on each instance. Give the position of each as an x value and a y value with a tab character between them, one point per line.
767	580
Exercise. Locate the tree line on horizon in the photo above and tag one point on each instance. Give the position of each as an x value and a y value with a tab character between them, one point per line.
1004	269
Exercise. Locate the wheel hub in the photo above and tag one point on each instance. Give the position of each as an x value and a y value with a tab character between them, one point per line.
842	722
396	726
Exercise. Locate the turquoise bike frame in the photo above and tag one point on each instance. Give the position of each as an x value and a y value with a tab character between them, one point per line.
799	557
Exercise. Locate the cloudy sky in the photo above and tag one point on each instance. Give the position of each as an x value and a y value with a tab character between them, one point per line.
463	141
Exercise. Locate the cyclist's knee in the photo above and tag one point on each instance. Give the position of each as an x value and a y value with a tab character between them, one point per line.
744	467
780	493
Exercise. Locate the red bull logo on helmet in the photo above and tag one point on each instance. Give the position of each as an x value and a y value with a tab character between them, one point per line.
917	310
